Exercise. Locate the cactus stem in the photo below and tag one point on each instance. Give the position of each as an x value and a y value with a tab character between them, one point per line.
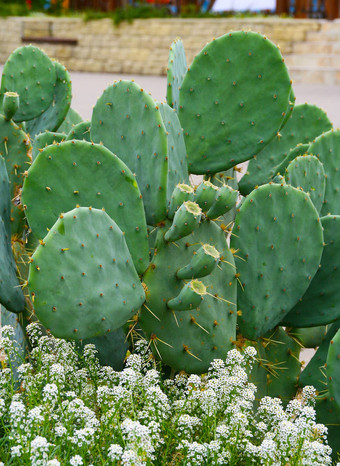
220	299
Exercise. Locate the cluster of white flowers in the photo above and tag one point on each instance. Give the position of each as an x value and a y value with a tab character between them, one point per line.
70	410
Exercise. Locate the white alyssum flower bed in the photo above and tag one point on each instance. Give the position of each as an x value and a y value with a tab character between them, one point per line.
66	409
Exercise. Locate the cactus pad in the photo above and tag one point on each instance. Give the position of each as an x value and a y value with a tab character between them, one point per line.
320	305
54	116
29	72
80	173
327	148
279	239
81	131
45	139
111	348
177	154
190	340
222	96
177	67
300	149
11	295
333	368
306	123
93	287
314	373
307	172
71	119
187	219
128	122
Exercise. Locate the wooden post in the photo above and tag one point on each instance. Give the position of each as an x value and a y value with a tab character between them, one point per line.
332	8
301	8
282	7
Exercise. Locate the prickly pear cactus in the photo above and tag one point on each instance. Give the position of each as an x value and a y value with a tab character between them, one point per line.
307	173
279	240
93	287
128	122
59	179
320	305
222	96
190	339
306	123
29	72
326	148
177	67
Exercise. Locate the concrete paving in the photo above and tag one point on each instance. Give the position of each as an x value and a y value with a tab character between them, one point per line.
87	87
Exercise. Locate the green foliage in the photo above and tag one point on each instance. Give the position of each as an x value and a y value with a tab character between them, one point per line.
157	263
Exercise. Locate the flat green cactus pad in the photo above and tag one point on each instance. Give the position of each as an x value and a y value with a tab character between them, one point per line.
177	67
279	240
315	371
309	337
55	114
111	348
11	295
15	148
5	197
328	413
283	365
320	305
290	108
306	123
333	368
80	173
279	170
127	121
307	172
222	98
177	154
45	139
81	131
190	340
29	72
327	148
71	119
92	287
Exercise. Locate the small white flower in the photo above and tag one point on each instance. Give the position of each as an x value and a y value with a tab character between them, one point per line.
76	460
16	451
50	392
115	452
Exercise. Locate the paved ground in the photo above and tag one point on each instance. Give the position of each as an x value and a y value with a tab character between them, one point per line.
87	87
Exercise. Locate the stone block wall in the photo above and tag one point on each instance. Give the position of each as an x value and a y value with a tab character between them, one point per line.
140	47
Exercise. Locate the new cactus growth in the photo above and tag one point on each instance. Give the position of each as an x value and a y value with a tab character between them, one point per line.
225	200
10	104
180	194
187	219
189	298
202	263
